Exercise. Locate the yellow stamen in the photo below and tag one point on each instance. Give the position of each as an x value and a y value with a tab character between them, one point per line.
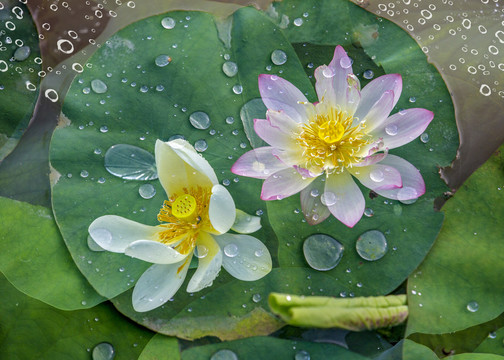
330	141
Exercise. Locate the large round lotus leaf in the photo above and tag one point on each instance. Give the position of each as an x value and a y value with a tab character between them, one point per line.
144	102
19	72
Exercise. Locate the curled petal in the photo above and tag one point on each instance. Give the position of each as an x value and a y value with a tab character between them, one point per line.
403	127
191	168
154	252
115	233
283	183
250	258
313	210
333	80
373	91
158	284
344	199
280	95
271	134
208	266
222	210
258	163
245	223
413	185
378	177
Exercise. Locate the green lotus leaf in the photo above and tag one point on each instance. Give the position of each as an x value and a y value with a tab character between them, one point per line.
161	348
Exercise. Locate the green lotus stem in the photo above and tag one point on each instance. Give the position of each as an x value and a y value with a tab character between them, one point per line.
356	314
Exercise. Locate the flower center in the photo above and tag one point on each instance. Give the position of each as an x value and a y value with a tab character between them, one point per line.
183	216
330	142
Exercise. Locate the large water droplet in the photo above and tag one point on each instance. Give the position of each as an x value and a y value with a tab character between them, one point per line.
256	298
224	354
298	22
371	245
391	129
472	306
237	89
368	212
130	162
424	138
376	175
168	23
147	191
278	57
22	53
368	74
200	120
162	60
98	86
103	351
230	68
328	198
201	251
302	355
322	252
201	145
231	250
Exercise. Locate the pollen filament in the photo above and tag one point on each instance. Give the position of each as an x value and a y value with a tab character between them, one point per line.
330	142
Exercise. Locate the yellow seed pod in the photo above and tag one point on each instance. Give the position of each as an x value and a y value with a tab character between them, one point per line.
184	206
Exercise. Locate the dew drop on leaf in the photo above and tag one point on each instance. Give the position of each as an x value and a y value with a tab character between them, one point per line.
322	252
201	145
130	162
22	53
472	306
103	351
147	191
200	120
368	74
256	298
163	60
424	138
230	68
98	86
278	57
168	23
371	245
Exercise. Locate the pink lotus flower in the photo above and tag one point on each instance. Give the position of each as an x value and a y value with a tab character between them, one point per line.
318	149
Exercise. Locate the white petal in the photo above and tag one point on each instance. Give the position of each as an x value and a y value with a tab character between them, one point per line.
179	166
252	260
378	177
208	266
373	91
115	233
348	205
245	223
258	163
154	252
284	183
158	284
222	210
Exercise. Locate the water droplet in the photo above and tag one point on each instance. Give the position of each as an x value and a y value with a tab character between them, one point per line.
147	191
424	138
368	74
98	86
237	89
256	298
328	72
492	335
163	60
472	306
86	90
298	21
391	129
97	151
103	129
368	212
168	23
231	250
103	351
314	193
230	120
278	57
101	180
322	252
200	120
226	182
130	162
259	212
346	62
371	245
328	198
302	355
159	88
121	269
412	99
201	145
100	235
230	68
224	354
201	251
22	53
376	175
